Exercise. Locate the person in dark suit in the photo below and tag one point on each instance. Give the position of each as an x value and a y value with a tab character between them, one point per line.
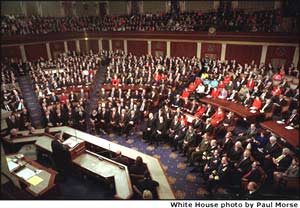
80	119
113	119
252	132
272	148
188	141
209	112
94	120
207	127
122	119
121	159
227	143
179	135
244	164
219	176
137	170
292	118
104	119
254	174
147	184
173	128
267	107
130	122
235	152
150	127
159	131
61	156
252	192
177	102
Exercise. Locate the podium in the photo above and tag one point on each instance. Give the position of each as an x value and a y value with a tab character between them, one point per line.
77	146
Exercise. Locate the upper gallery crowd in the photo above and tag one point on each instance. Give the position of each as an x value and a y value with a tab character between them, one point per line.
234	20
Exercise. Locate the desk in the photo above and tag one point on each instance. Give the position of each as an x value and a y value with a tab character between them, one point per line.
106	168
291	136
48	176
124	87
156	171
236	108
4	114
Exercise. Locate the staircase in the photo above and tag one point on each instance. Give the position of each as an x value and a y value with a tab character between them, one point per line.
31	101
99	79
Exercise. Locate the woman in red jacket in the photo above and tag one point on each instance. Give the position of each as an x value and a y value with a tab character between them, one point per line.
256	105
217	117
215	93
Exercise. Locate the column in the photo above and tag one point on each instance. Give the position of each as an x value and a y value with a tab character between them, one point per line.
216	5
129	6
141	7
110	44
39	8
48	51
263	54
62	10
97	5
168	49
277	4
107	8
77	45
100	44
296	56
66	46
223	52
74	8
149	47
234	4
125	47
23	8
182	6
168	6
23	53
199	50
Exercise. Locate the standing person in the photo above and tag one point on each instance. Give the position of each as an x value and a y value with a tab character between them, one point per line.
61	156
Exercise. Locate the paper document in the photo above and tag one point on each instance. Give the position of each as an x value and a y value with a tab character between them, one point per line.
71	142
26	173
280	122
289	127
35	180
12	165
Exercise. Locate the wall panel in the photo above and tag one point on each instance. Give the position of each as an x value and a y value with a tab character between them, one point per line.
56	48
185	49
34	52
212	50
11	52
137	48
277	55
93	45
243	53
117	44
105	45
154	7
71	45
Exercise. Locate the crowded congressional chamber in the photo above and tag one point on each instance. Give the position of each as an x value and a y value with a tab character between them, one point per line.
150	100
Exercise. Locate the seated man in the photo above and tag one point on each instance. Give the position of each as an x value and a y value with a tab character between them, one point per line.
159	131
150	127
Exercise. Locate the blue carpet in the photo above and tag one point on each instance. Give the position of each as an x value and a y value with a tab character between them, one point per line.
185	185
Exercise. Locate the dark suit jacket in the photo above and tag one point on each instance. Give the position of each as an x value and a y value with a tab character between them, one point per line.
274	150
